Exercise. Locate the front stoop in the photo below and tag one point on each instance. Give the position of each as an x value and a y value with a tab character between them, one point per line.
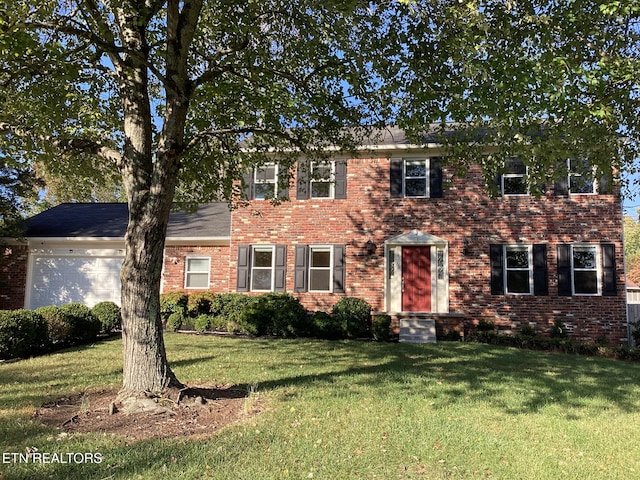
417	330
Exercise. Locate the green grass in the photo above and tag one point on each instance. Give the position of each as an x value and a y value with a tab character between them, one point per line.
352	410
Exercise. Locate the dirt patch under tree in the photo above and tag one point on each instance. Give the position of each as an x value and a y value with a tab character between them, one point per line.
196	411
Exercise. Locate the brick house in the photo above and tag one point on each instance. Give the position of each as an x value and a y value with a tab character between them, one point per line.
395	228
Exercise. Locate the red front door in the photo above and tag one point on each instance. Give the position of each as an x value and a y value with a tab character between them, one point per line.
416	279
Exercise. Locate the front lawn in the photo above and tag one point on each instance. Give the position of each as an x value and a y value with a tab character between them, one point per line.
350	410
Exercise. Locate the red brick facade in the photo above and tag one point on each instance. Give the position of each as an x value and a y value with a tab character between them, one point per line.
173	275
13	276
470	221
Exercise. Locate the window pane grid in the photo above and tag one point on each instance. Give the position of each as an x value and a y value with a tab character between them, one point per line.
585	270
322	178
320	269
262	269
265	182
518	269
415	178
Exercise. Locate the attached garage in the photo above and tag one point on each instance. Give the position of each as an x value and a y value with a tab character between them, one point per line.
59	275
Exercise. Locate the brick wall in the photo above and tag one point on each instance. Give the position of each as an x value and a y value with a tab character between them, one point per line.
470	221
173	276
13	276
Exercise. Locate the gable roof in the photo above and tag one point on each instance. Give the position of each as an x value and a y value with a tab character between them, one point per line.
109	220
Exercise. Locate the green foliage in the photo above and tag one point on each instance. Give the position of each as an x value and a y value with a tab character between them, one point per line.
451	336
635	333
174	322
276	314
527	331
200	303
381	327
22	333
109	315
229	307
173	302
486	326
558	330
70	324
202	323
327	326
354	314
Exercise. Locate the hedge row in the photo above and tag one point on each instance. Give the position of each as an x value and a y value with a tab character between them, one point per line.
26	332
278	314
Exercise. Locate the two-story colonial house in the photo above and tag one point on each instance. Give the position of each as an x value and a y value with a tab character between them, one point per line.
393	227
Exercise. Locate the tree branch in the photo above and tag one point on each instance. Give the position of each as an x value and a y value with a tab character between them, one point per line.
225	132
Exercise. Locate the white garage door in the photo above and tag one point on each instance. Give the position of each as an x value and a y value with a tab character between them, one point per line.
89	277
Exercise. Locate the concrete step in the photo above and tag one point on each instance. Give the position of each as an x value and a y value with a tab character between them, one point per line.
417	330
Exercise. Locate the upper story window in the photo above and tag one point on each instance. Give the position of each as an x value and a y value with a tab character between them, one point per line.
514	181
322	179
581	179
197	272
416	178
265	182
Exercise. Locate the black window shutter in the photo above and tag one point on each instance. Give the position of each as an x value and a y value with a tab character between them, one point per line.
283	183
244	268
338	268
340	188
540	273
280	270
395	176
497	269
301	271
609	269
561	186
564	270
303	187
435	177
247	182
605	184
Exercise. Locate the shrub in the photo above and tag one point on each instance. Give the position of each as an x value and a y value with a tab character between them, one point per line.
326	326
174	322
354	314
173	302
558	330
451	336
486	326
527	331
276	314
228	308
70	324
85	327
200	303
380	327
202	323
635	333
109	315
22	332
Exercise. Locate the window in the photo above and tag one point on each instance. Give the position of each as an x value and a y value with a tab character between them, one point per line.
265	182
415	177
587	269
320	271
518	269
197	272
584	270
581	179
319	268
514	180
322	179
261	268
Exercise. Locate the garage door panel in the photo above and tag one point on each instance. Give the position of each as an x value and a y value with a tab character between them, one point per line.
88	280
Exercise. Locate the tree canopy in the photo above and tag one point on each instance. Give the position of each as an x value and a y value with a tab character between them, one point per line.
178	98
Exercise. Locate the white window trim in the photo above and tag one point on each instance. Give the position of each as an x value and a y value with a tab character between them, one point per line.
529	248
187	271
573	174
256	181
524	176
427	164
598	270
328	248
263	248
331	181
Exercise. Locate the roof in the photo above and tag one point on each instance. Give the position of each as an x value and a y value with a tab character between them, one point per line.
109	220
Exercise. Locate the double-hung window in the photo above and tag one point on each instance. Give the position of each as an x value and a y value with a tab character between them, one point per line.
584	267
322	179
581	179
416	178
514	180
518	269
262	268
587	269
265	182
320	268
197	272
